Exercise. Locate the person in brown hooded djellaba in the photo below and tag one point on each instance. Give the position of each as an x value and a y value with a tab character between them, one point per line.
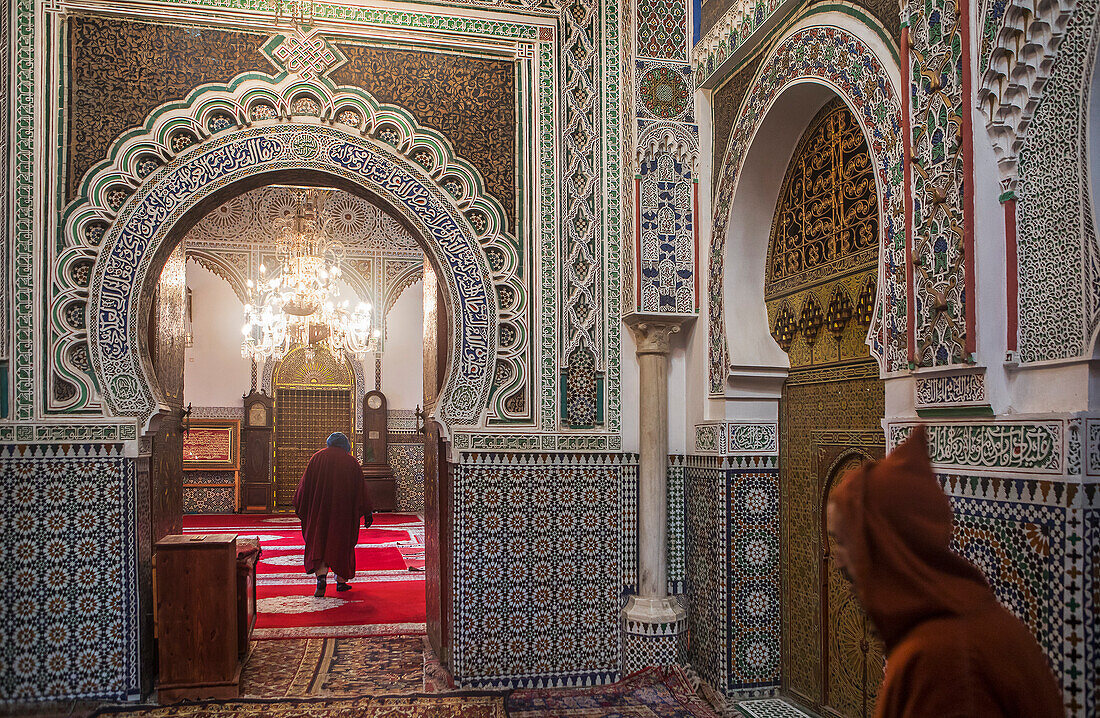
331	501
952	651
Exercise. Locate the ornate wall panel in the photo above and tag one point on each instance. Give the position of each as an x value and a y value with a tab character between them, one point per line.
539	567
22	245
815	416
666	201
1058	255
725	106
120	70
938	117
832	56
5	190
667	240
471	100
662	29
69	608
819	279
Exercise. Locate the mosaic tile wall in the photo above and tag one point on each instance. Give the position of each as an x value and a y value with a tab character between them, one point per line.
1092	596
209	500
707	560
1026	540
732	558
539	567
407	462
68	602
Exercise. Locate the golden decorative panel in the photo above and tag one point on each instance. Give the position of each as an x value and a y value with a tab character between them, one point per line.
471	100
305	367
820	292
120	70
823	253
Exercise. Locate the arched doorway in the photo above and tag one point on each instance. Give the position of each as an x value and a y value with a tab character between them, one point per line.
142	229
135	246
819	290
855	662
314	396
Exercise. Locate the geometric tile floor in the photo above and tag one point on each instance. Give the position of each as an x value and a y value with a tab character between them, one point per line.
770	708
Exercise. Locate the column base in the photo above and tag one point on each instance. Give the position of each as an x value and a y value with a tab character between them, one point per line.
654	632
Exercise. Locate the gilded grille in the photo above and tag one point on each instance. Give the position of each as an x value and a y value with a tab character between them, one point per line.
303	420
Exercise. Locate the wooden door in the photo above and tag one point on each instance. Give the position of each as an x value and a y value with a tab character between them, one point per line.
438	542
166	350
855	661
304	418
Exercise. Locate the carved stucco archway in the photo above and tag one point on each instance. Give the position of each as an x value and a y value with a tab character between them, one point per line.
866	79
141	234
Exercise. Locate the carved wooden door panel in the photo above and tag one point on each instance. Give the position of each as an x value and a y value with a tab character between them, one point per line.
438	541
855	662
166	349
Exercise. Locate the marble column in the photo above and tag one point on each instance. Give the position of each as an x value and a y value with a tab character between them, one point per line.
654	624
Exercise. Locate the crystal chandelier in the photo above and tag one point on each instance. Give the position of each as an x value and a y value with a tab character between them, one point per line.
297	306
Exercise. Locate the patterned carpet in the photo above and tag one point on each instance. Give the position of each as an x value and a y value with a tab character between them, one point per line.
335	667
656	692
452	706
386	596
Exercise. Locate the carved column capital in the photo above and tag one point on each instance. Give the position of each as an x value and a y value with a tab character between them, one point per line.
653	332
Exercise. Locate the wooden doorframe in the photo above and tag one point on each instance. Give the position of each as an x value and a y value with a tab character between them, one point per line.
439	542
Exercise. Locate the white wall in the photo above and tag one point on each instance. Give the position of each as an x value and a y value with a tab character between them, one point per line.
215	373
403	358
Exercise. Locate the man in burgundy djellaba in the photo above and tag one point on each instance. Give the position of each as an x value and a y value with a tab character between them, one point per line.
330	501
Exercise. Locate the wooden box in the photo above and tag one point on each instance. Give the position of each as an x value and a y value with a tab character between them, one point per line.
197	617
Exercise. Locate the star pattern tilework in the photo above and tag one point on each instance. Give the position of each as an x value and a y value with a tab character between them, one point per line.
706	548
538	569
68	617
754	581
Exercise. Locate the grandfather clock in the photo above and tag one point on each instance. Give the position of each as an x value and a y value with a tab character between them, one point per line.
257	432
377	474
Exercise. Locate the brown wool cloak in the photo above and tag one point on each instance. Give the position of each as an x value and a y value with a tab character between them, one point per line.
331	501
952	651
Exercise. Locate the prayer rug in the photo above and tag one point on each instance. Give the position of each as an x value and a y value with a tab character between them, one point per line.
335	667
425	706
653	692
386	598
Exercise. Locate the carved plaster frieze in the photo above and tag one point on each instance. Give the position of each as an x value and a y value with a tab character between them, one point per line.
1016	63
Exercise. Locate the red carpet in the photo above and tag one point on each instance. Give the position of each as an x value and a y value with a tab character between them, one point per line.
387	594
